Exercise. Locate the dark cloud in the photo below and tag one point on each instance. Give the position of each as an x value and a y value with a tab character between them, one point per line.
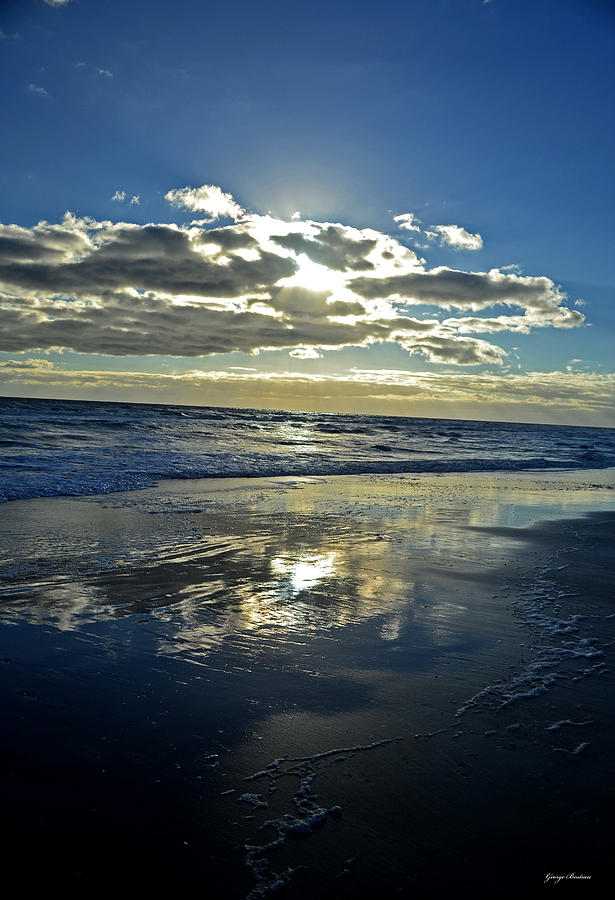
126	325
44	243
462	290
331	247
305	304
453	350
152	257
230	238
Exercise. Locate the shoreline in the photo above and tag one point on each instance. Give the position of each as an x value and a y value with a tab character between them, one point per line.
342	621
201	482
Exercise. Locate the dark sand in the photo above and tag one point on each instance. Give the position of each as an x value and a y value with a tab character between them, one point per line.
454	634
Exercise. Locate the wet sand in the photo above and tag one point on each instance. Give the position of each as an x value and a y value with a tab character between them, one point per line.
408	677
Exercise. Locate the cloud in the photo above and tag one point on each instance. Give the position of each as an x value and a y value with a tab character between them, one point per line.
446	348
332	246
36	365
457	237
452	235
305	353
38	90
120	197
42	243
209	198
456	289
124	289
93	70
57	3
407	222
584	397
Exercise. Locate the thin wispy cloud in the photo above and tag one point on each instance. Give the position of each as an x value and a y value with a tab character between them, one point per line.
38	90
302	286
57	3
93	71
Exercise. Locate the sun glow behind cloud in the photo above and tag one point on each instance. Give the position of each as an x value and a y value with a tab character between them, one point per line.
243	282
314	277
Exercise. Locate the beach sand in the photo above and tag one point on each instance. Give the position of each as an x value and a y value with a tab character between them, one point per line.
408	677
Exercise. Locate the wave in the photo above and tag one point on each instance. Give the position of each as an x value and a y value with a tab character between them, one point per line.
76	448
44	483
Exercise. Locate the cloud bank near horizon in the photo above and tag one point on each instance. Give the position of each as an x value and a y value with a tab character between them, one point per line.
586	397
256	283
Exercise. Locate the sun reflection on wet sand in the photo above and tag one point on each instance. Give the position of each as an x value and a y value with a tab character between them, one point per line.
272	560
305	572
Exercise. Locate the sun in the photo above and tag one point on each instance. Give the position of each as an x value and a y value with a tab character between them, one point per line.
314	277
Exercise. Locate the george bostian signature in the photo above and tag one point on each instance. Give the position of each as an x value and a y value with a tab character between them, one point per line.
571	876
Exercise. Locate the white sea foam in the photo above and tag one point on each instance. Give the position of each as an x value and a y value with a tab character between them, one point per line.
551	660
255	800
557	725
307	813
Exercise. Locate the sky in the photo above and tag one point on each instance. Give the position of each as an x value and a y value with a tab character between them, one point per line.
402	208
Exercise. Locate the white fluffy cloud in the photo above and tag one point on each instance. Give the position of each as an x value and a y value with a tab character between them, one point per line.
458	238
209	198
407	222
452	235
125	289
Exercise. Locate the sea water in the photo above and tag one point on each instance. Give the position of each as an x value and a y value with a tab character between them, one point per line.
76	448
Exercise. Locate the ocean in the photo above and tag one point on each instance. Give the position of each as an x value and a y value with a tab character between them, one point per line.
77	448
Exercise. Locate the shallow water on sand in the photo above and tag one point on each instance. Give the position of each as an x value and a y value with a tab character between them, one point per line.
164	646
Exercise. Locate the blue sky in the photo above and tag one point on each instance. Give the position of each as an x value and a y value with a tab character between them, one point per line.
492	118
